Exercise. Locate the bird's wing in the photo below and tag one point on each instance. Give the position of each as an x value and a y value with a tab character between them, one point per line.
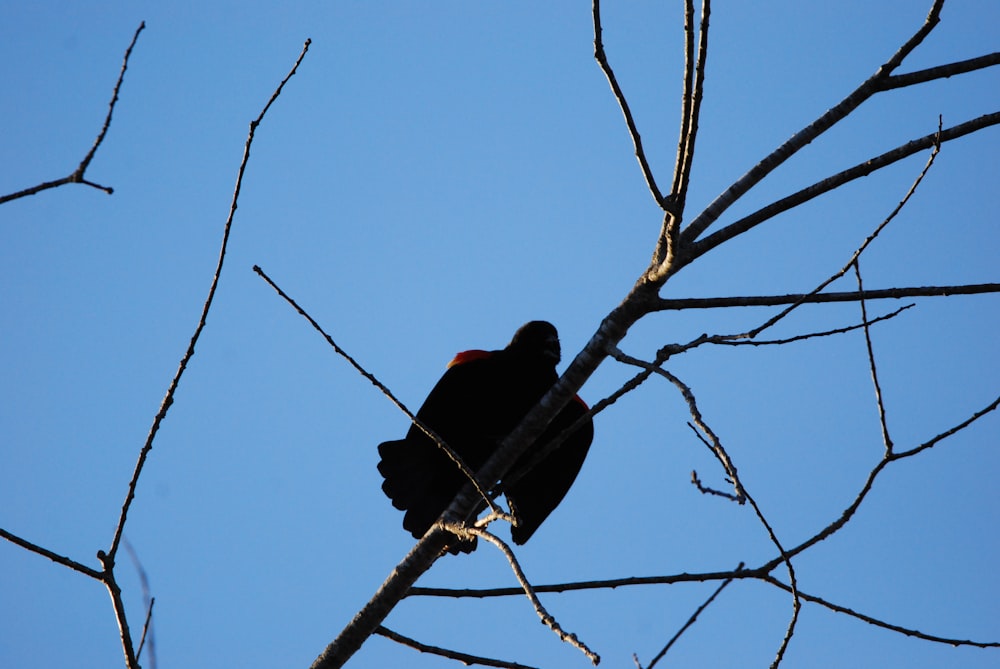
539	491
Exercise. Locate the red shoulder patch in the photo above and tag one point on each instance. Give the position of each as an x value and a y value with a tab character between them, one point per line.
579	399
468	356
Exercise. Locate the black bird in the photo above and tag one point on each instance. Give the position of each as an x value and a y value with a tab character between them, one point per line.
478	401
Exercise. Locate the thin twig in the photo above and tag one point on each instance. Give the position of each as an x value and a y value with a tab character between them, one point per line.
715	445
55	557
78	174
722	341
145	629
691	620
148	599
633	131
451	453
886	439
887	459
713	442
864	245
578	586
881	623
168	399
465	658
694	92
687	91
529	591
697	481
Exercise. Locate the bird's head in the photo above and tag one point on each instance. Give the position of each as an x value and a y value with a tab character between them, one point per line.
537	338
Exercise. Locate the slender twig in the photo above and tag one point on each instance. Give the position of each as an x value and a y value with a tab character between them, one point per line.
887	459
886	439
934	441
448	450
881	623
78	174
715	445
694	92
713	442
168	398
761	573
693	87
691	621
148	599
696	482
687	90
465	658
145	629
633	131
529	591
578	586
811	335
55	557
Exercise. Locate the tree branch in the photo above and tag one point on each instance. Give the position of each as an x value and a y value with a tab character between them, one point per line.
464	658
77	176
633	131
676	304
793	145
692	619
168	399
703	246
941	71
55	557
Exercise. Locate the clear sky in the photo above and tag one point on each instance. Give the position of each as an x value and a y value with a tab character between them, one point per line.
434	176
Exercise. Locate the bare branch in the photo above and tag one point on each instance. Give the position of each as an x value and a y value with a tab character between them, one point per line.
455	457
715	446
863	169
168	399
55	557
886	439
147	597
880	623
809	298
687	98
529	591
692	619
604	584
941	71
694	89
145	630
934	441
722	341
444	652
696	482
108	577
793	145
888	458
78	174
714	443
633	131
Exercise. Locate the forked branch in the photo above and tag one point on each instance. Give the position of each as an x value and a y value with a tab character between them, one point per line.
78	175
793	145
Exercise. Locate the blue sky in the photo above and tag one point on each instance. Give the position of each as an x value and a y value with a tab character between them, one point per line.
434	176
